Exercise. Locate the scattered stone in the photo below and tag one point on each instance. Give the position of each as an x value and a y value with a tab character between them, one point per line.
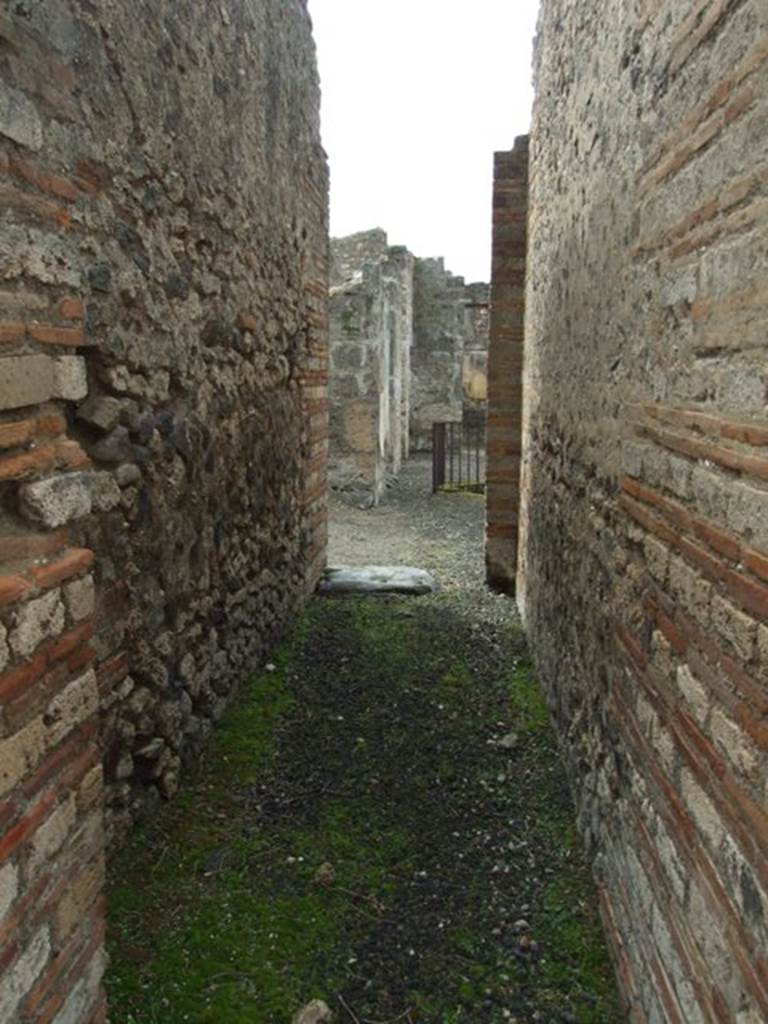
325	874
508	742
377	579
316	1012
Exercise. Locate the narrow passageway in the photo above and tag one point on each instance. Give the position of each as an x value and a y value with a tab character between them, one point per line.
381	822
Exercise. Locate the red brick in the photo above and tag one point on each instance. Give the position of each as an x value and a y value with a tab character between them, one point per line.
71	309
63	757
21	831
12	332
75	770
71	456
676	639
34	205
756	562
14	434
700	742
648	519
80	657
51	1008
90	176
742	103
7	956
55	185
34	463
112	671
17	547
68	642
73	563
49	335
631	645
748	433
12	588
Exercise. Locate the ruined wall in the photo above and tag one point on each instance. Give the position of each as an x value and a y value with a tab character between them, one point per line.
352	252
163	424
474	371
438	350
644	577
370	336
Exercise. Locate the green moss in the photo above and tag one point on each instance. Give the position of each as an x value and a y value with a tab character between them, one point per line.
370	748
528	703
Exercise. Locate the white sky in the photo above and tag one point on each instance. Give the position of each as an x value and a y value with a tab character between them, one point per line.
417	96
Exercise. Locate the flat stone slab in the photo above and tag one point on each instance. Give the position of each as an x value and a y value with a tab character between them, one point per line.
377	579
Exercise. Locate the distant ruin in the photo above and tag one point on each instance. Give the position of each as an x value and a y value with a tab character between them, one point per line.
408	348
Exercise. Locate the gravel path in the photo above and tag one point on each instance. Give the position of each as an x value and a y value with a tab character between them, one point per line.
381	822
443	533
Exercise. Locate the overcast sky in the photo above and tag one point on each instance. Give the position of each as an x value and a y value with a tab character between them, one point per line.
417	95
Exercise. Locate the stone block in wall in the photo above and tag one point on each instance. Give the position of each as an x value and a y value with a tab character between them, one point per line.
25	380
57	500
70	378
19	119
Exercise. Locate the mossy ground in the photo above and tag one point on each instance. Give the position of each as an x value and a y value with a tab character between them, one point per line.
460	893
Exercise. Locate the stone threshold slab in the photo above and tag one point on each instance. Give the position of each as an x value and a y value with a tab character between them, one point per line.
377	579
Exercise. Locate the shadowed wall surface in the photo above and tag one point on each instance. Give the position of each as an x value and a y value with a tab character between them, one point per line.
163	424
643	572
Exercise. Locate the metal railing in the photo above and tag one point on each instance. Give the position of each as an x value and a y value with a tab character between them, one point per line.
458	456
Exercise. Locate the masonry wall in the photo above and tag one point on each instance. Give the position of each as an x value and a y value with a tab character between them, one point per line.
504	413
644	570
437	355
474	372
371	331
163	425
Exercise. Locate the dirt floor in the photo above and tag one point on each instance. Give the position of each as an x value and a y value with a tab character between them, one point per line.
381	823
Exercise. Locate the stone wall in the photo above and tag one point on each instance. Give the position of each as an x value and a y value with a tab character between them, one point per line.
644	570
504	416
371	328
353	252
437	356
474	372
163	424
408	347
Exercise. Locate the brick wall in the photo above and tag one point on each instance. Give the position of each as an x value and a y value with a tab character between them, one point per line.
505	364
644	548
163	426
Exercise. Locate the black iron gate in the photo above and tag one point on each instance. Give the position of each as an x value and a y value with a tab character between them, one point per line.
458	456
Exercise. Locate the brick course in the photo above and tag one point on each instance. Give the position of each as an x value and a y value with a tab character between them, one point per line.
163	310
505	364
642	568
